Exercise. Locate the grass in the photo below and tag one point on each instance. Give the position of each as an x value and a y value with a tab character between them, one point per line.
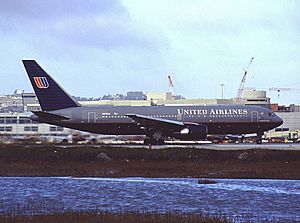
47	160
108	217
49	212
32	211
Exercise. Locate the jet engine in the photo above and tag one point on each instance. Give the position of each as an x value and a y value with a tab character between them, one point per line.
194	132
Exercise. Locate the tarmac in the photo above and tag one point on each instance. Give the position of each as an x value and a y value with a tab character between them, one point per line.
209	146
240	146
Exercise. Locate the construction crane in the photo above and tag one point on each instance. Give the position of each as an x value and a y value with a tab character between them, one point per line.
281	89
171	86
240	91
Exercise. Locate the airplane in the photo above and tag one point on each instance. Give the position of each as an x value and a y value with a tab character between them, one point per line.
184	122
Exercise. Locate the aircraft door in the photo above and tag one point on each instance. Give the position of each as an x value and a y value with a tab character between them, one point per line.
91	117
254	116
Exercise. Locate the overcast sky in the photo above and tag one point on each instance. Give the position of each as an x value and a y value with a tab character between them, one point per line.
96	47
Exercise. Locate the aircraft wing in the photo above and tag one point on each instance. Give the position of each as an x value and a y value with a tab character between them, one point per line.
158	123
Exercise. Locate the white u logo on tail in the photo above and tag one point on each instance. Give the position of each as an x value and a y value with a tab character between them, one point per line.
41	82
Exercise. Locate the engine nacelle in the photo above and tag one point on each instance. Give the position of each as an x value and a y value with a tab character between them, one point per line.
194	132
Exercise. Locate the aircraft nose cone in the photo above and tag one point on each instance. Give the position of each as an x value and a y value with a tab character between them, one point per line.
279	121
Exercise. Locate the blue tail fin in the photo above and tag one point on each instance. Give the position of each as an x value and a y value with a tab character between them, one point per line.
50	95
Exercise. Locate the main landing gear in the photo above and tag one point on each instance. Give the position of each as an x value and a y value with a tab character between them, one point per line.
154	138
152	141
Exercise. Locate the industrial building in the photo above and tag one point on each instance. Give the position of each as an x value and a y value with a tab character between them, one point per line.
18	126
290	129
257	98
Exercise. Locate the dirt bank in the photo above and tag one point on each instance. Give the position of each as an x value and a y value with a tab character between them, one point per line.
45	160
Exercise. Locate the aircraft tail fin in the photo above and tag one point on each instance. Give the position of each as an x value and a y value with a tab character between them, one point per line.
51	96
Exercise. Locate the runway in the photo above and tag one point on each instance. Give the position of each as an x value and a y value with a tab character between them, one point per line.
281	146
209	146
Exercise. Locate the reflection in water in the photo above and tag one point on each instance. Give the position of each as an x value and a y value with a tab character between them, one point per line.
278	200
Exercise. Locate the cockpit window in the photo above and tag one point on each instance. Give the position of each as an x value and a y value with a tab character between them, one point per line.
271	114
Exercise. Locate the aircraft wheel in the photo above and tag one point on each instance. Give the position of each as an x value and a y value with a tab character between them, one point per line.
242	139
160	142
93	141
147	141
64	141
258	141
259	138
153	141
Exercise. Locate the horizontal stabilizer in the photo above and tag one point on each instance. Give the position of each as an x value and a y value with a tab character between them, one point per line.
49	116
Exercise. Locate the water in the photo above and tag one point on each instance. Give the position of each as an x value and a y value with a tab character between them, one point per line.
258	200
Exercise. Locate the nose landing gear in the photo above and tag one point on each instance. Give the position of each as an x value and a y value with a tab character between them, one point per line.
259	138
